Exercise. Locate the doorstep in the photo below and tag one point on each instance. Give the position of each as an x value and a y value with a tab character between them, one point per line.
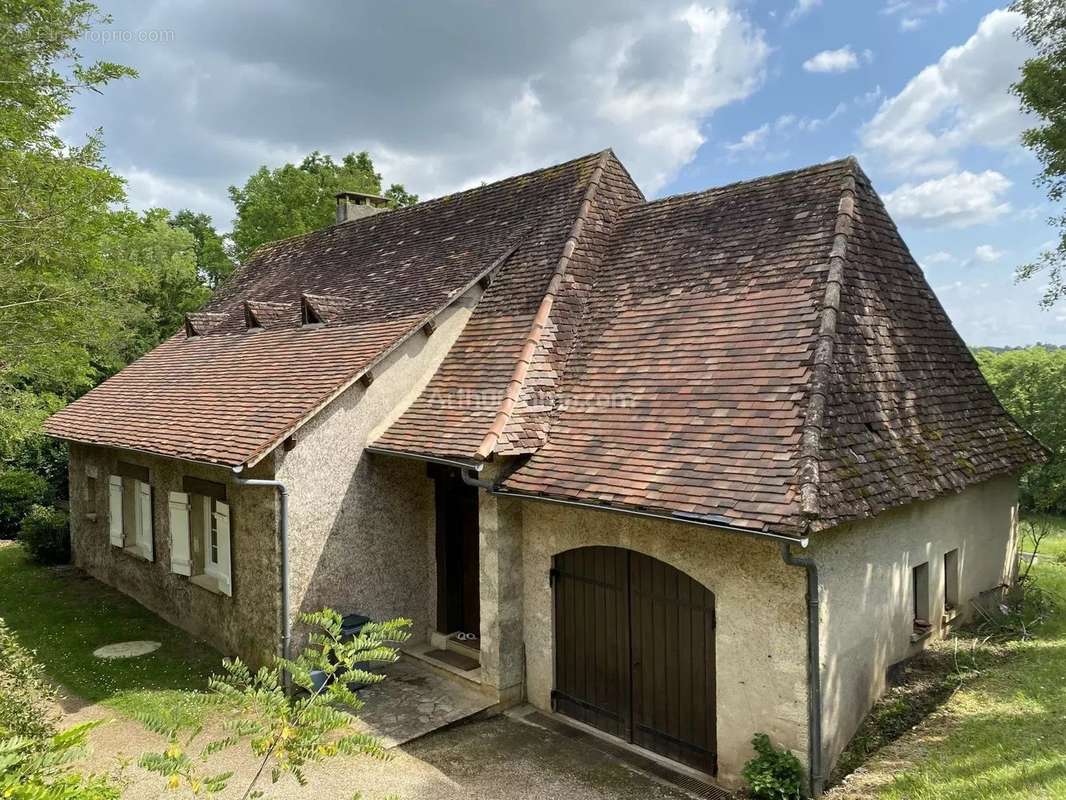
416	698
426	653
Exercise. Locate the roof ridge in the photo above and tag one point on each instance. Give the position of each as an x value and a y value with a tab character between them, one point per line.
265	246
529	348
814	417
850	161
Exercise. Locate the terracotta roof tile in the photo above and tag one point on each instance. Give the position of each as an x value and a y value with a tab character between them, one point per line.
768	354
227	395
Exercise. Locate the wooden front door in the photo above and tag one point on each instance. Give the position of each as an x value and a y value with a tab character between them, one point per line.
634	652
458	566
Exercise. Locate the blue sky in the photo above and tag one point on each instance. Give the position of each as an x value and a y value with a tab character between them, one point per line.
969	260
690	94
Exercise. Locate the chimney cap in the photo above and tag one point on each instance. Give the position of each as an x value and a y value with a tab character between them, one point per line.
363	199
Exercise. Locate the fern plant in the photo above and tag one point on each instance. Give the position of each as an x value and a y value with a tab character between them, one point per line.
286	729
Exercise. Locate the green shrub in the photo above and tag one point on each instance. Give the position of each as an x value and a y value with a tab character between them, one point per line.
773	774
45	534
26	698
20	490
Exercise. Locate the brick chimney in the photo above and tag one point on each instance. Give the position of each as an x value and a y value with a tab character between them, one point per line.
354	205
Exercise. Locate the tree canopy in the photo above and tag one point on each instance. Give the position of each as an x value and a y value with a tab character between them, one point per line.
212	261
1042	91
290	200
1031	385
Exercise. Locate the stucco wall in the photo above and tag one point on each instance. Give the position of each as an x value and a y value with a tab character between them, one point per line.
867	597
244	624
362	526
761	614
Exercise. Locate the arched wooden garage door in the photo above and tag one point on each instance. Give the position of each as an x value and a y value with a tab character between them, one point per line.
634	652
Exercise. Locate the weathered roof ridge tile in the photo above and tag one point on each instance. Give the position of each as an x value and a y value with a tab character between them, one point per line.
540	320
814	417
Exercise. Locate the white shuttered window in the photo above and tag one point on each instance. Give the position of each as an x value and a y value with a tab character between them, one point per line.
180	552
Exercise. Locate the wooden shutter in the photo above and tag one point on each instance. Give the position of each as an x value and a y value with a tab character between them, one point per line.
144	520
180	559
225	583
114	486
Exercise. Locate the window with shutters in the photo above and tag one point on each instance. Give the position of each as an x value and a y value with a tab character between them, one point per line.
130	510
200	535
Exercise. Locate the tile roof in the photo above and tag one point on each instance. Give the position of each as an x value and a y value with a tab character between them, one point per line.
504	368
768	355
765	355
228	395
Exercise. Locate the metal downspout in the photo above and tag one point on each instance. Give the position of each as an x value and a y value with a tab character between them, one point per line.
283	547
814	668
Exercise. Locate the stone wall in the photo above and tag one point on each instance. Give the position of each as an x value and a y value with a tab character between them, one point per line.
867	597
362	526
761	612
246	623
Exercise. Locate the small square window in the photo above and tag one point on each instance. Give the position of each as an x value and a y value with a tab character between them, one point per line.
920	590
951	580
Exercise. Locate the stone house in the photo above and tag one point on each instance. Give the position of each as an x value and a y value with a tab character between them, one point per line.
680	471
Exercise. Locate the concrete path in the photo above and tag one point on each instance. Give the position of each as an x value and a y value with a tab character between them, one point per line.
501	758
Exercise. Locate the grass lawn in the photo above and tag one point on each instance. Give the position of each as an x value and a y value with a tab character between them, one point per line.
1002	735
64	616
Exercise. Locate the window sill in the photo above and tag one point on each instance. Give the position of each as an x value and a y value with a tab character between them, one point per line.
137	551
921	633
208	583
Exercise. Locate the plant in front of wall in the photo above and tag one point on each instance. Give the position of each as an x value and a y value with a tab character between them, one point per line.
45	534
773	774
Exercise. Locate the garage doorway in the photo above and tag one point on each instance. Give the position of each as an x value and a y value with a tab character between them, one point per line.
634	652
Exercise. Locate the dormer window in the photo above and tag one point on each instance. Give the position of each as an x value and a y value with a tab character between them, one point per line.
261	314
321	309
199	323
250	320
311	315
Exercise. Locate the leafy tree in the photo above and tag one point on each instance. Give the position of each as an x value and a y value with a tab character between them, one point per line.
62	311
1042	91
160	261
290	200
212	261
1031	385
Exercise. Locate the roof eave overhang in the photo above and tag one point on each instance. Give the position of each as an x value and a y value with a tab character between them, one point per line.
225	465
666	516
458	463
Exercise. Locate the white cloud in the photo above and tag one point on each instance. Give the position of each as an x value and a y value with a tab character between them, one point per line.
960	200
870	97
802	8
939	257
145	189
750	140
912	13
987	254
961	101
788	122
840	60
532	88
